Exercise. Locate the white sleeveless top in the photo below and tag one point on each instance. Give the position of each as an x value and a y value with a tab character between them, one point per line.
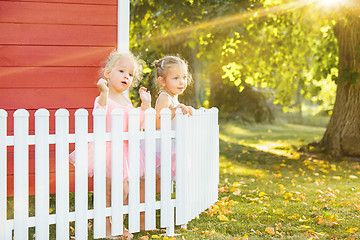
174	102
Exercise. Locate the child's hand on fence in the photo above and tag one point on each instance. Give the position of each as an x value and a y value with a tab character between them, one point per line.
102	86
145	97
185	109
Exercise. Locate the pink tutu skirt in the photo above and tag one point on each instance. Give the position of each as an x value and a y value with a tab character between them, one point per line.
108	160
173	158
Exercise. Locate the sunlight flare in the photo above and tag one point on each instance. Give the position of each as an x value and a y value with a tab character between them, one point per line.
233	19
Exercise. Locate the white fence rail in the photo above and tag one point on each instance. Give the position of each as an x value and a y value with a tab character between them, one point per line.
197	171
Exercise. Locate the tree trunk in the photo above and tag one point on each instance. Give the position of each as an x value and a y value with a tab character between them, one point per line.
342	136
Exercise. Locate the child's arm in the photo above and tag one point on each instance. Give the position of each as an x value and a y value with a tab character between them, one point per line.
162	102
104	90
145	98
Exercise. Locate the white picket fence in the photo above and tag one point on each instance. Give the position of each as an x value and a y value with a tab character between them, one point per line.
197	171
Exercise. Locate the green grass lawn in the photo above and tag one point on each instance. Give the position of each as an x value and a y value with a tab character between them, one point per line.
270	190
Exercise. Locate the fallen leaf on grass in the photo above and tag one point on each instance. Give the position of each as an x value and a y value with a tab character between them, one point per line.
353	177
270	230
261	194
336	177
223	218
352	230
357	206
222	189
288	195
304	227
144	237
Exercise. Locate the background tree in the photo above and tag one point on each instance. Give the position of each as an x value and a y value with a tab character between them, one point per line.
342	136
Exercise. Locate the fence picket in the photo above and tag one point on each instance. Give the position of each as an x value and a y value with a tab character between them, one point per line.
62	173
117	172
42	202
99	173
215	155
180	137
166	208
81	174
21	174
3	173
134	170
150	178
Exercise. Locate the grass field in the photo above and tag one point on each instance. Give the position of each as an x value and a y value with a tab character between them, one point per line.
270	190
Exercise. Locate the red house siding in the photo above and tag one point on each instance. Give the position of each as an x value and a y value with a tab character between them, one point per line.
50	55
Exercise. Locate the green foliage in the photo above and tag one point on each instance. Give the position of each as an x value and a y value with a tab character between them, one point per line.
292	53
263	43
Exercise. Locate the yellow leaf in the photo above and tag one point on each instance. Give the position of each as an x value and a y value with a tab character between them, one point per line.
236	184
195	229
357	206
352	230
288	195
353	177
304	227
156	236
278	211
270	230
336	177
223	218
261	194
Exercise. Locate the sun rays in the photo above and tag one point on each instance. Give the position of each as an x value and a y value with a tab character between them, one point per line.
231	20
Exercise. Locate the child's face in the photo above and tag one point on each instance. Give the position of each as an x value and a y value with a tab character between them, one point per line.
175	81
121	75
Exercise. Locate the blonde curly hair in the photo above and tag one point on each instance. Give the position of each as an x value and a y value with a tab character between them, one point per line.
114	58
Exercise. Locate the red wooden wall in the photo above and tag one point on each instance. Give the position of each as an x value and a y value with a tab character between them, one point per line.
50	55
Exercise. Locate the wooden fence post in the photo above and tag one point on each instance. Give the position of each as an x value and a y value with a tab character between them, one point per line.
81	174
150	168
117	158
62	173
134	171
42	203
21	174
3	172
99	173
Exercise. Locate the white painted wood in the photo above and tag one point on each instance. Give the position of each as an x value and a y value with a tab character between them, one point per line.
197	171
150	165
134	170
42	203
165	122
62	173
117	136
81	174
21	174
123	24
99	173
216	153
180	129
3	172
